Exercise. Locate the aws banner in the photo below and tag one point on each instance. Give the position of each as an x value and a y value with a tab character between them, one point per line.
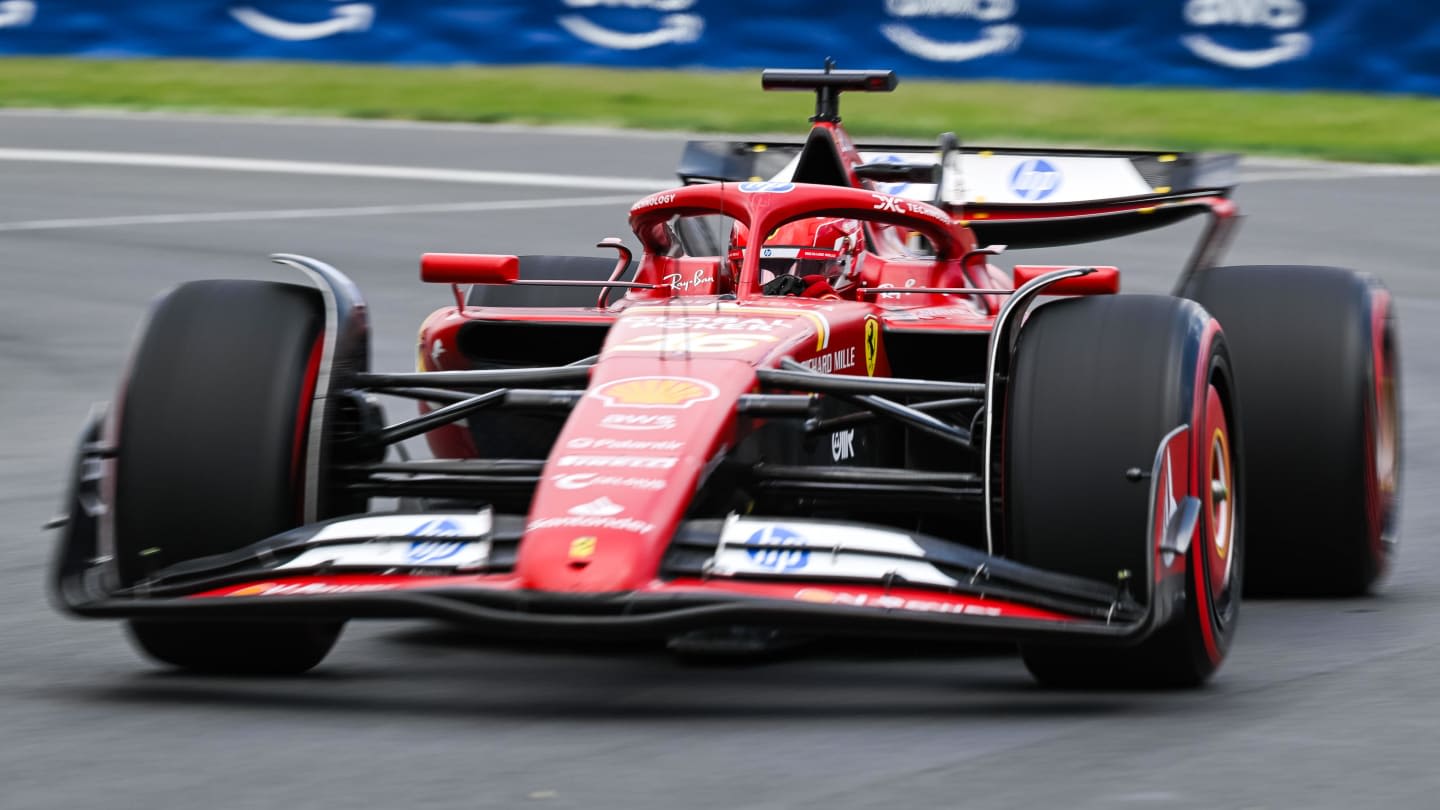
1392	46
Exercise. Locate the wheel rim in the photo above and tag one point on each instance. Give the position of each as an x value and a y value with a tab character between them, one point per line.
1220	498
1386	440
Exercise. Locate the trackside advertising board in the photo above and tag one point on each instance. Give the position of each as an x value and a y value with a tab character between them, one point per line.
1391	46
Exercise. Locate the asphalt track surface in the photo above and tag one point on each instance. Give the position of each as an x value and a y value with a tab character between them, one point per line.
1322	704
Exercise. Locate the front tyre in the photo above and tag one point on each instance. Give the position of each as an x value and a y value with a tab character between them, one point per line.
1097	384
213	431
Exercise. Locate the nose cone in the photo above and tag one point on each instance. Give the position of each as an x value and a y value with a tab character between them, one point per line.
624	471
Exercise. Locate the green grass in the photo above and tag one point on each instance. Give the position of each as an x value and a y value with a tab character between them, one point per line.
1337	126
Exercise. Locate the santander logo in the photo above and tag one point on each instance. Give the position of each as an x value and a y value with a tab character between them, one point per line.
1283	17
600	507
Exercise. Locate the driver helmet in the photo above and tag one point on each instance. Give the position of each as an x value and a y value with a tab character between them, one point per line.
824	246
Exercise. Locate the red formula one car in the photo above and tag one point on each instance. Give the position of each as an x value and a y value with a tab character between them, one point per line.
816	409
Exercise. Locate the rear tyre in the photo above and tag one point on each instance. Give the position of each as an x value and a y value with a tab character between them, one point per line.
213	429
1097	385
1317	357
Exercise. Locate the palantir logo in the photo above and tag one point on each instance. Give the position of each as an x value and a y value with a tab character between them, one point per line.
1260	33
997	33
1034	179
669	28
777	559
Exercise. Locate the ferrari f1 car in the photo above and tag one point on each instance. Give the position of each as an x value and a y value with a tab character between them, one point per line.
813	406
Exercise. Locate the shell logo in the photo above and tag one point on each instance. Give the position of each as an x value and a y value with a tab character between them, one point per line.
655	392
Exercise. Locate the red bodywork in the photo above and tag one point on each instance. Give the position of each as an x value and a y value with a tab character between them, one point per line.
686	344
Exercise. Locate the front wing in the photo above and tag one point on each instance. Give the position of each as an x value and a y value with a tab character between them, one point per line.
805	576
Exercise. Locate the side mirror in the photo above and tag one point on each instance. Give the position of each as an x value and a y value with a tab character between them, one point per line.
1103	281
469	268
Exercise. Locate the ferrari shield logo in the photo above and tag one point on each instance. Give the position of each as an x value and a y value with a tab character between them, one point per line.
582	549
872	345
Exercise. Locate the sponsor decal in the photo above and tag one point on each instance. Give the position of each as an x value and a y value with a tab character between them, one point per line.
697	280
587	443
708	323
900	205
655	392
654	200
16	13
817	319
387	554
842	445
805	252
872	344
475	525
776	559
429	551
439	527
767	187
885	202
638	421
822	596
1034	179
837	537
626	462
306	589
693	342
600	507
583	548
587	480
1049	178
670	27
1282	17
344	18
617	524
844	552
909	282
838	360
996	34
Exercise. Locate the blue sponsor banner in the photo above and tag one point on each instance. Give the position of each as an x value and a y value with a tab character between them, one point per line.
1339	44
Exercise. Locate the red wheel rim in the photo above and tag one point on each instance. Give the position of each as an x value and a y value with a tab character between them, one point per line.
1219	495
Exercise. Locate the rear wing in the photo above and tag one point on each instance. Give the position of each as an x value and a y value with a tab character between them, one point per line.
1022	197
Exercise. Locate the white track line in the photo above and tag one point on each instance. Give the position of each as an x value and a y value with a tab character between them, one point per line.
311	213
285	120
306	167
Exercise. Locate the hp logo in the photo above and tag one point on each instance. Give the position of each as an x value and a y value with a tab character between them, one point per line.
1034	179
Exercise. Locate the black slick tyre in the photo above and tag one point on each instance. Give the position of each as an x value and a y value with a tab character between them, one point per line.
1096	387
1316	355
213	426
